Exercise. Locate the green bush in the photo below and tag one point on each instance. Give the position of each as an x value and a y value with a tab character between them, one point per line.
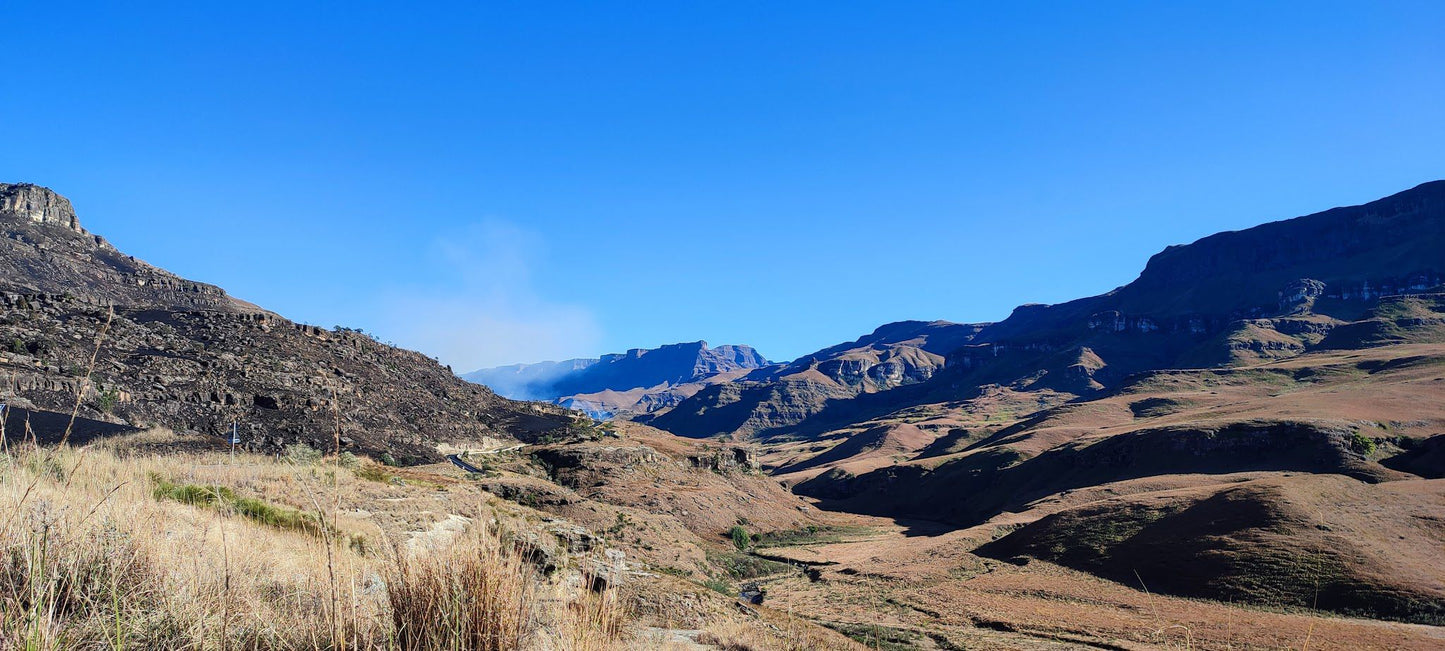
740	537
1362	444
107	400
742	565
374	472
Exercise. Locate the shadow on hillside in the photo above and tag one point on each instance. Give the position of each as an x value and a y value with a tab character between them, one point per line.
49	427
912	528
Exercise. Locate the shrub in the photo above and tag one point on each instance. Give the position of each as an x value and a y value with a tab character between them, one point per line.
250	508
374	472
741	565
718	585
1362	444
740	537
302	454
107	400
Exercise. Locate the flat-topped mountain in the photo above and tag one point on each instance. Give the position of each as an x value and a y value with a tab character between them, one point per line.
187	356
640	380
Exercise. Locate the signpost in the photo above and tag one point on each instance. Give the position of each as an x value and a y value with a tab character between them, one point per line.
235	438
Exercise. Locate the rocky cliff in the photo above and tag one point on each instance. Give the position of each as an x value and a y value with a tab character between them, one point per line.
187	356
46	250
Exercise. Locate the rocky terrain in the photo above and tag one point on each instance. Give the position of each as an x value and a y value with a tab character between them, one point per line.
45	250
639	381
142	347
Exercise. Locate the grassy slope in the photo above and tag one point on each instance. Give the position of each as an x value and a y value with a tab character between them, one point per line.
118	545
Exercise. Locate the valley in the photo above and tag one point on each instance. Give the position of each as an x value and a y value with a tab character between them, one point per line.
1243	448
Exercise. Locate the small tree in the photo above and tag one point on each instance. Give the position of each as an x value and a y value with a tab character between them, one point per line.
740	537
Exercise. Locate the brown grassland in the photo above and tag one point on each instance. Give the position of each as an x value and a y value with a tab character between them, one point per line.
111	546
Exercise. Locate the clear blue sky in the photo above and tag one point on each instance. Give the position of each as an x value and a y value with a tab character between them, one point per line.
518	181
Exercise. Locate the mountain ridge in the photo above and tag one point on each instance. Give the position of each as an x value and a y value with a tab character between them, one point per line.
640	380
1180	309
186	355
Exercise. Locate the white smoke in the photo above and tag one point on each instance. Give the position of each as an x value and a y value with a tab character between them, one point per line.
483	310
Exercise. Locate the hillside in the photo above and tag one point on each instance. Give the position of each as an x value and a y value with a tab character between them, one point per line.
1246	393
185	355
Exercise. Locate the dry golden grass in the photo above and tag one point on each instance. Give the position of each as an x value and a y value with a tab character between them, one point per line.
787	634
91	558
470	595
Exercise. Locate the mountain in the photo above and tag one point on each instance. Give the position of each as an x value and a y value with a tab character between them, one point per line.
639	381
1257	418
1232	450
45	250
187	356
1268	292
773	398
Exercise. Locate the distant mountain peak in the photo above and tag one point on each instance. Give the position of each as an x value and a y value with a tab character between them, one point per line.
640	373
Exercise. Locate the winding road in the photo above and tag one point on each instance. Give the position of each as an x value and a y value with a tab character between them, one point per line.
457	460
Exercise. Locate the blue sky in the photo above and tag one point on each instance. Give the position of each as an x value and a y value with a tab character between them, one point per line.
508	182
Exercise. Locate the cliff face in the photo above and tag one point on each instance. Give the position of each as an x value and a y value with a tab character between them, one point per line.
1382	247
1339	260
45	250
39	205
184	355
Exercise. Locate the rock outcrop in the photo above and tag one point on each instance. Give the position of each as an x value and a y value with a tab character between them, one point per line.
44	250
39	205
